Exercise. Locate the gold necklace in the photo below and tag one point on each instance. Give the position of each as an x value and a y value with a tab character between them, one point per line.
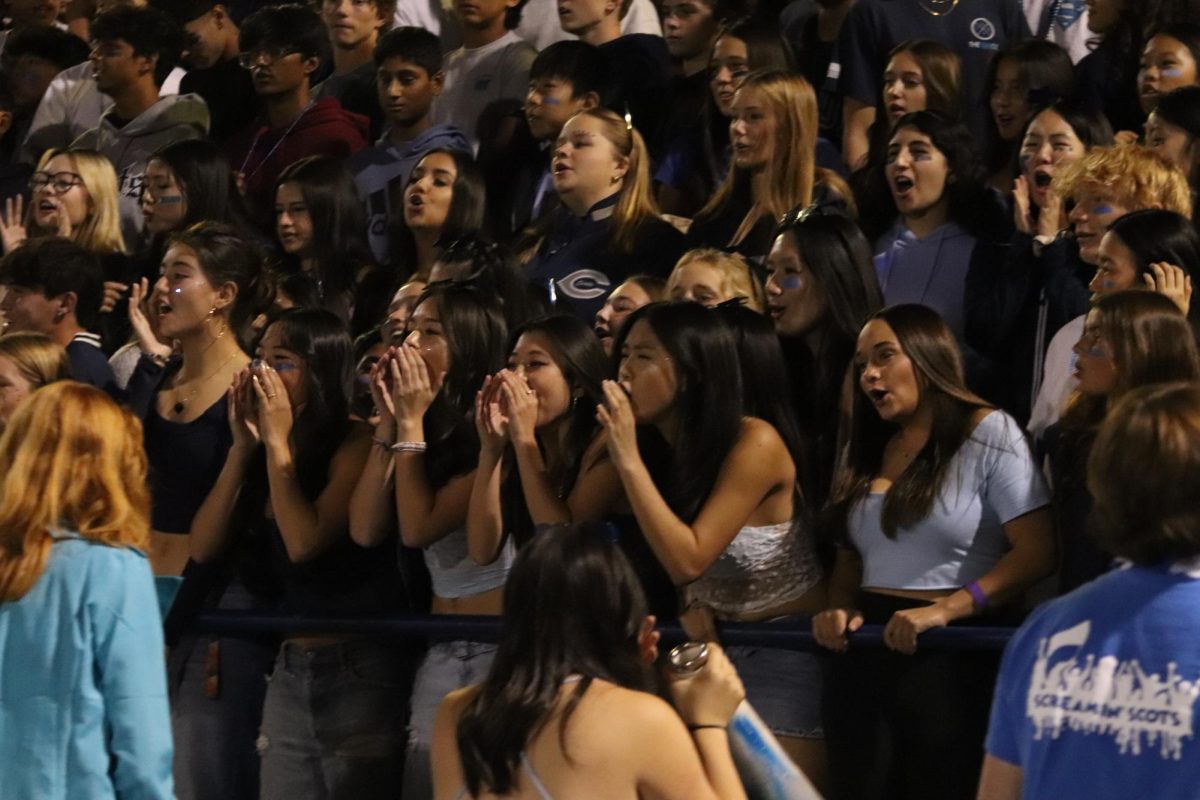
180	405
933	13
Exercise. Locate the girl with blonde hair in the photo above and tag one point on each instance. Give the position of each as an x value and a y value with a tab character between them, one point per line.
79	620
73	195
710	277
773	132
28	361
608	226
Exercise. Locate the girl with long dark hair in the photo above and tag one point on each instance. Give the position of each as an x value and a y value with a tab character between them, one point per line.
541	460
821	287
939	513
321	226
420	474
278	514
552	714
721	511
443	200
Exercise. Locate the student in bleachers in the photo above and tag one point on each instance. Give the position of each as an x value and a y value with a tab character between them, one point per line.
1106	184
1021	77
721	511
919	76
420	474
821	287
1121	649
1171	60
947	225
443	200
635	292
54	286
697	161
80	634
334	711
565	78
284	47
32	57
486	78
211	56
28	361
554	713
321	227
1130	339
773	131
408	79
1172	131
129	44
608	225
710	277
1013	311
690	29
940	514
354	29
542	460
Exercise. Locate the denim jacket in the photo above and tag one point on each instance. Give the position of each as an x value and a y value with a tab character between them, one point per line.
83	696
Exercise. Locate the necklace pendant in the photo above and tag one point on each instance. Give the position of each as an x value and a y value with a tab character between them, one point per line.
177	408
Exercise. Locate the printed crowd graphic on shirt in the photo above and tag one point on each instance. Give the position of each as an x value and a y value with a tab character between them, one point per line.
1108	697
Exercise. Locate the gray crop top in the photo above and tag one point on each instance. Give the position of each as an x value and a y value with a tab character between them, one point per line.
991	480
454	574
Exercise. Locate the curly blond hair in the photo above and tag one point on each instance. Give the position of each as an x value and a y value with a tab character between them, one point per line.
1136	176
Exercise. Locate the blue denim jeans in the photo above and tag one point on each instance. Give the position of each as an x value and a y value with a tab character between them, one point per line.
333	722
447	666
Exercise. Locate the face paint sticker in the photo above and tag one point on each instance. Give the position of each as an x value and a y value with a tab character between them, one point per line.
1096	351
171	200
792	282
551	101
1108	283
1172	72
1102	208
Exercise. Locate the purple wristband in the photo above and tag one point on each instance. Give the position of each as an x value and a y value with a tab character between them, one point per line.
977	594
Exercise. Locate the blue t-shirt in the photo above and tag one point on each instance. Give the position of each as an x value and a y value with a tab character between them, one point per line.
991	480
1097	690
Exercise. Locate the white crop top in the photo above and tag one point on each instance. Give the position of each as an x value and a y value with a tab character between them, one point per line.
454	574
991	480
762	568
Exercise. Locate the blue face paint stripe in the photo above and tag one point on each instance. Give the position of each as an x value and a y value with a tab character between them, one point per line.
791	282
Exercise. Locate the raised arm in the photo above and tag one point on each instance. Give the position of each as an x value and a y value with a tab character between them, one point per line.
372	505
211	525
485	517
751	472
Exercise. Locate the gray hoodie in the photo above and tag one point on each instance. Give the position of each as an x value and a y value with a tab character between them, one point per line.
172	119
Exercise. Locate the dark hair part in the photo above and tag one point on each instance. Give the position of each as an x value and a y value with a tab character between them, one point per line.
53	266
473	327
226	255
937	363
414	45
1181	108
1155	236
834	250
466	216
48	43
291	26
578	63
566	574
969	201
320	339
185	11
709	401
339	240
206	180
1046	75
150	32
1154	430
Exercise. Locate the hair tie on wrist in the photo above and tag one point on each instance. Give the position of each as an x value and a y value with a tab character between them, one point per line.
977	594
409	447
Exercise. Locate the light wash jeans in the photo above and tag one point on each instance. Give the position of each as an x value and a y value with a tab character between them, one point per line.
447	666
333	722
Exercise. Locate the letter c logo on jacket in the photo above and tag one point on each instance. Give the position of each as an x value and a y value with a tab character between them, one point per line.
584	284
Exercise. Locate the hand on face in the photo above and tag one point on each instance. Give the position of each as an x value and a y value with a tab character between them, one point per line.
274	406
520	405
243	416
491	423
616	415
413	389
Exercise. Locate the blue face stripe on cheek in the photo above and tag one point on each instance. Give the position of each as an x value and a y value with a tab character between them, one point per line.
1102	209
1171	72
551	101
791	282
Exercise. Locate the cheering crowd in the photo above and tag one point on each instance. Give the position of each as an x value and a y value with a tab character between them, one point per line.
587	314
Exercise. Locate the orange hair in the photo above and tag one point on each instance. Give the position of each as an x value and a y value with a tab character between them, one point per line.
71	460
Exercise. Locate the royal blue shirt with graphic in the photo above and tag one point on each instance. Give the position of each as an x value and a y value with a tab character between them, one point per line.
1097	690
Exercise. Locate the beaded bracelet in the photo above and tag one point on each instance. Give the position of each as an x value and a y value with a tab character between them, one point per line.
410	447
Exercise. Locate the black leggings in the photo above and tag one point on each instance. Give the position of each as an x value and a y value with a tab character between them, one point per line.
900	726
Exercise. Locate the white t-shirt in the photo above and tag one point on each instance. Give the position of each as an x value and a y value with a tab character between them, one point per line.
540	27
1058	381
480	77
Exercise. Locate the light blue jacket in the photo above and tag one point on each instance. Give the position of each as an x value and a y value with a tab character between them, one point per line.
83	689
